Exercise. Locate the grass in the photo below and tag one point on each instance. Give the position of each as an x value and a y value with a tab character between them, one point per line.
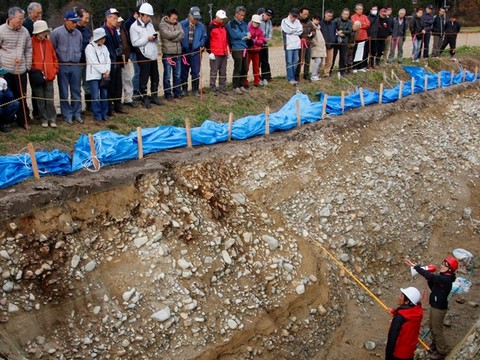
217	108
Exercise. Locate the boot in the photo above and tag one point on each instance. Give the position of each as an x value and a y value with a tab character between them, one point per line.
146	102
195	84
184	91
88	102
154	99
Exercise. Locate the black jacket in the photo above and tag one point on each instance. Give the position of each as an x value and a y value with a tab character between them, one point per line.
452	28
329	33
416	26
383	28
398	30
345	26
113	42
438	27
373	29
440	286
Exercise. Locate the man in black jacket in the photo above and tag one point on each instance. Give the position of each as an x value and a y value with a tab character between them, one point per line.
417	28
383	31
428	23
372	35
440	287
452	28
438	31
327	27
343	27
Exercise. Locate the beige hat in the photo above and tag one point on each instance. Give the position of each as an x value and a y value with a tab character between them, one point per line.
99	34
40	26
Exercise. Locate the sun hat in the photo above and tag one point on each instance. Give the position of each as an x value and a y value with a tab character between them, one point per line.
99	34
40	26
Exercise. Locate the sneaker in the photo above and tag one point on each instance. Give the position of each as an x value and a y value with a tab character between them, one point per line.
264	82
243	89
79	119
355	71
196	93
238	91
53	124
68	121
315	78
45	124
363	70
222	91
293	82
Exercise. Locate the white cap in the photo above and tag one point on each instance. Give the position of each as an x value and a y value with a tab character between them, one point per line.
412	294
256	19
221	14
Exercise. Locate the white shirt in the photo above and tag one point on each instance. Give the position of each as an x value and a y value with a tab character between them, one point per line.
98	61
291	33
139	33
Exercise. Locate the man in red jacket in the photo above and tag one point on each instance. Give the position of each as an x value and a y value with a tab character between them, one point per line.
405	326
218	50
361	41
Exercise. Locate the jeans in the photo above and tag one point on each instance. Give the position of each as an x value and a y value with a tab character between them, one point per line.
316	65
44	101
291	60
170	70
194	68
99	100
218	66
69	80
417	47
136	72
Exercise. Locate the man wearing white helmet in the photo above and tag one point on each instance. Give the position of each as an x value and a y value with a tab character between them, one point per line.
405	325
144	39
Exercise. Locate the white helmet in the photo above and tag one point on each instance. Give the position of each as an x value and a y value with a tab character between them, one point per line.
256	19
146	9
412	294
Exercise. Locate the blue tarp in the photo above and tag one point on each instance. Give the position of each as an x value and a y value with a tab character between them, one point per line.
112	148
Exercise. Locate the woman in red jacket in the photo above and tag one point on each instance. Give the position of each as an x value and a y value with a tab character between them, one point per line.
257	40
405	326
43	72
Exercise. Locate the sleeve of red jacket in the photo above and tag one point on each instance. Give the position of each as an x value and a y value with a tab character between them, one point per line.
393	333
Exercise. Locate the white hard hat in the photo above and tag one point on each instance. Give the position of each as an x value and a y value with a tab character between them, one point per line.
146	9
256	19
412	294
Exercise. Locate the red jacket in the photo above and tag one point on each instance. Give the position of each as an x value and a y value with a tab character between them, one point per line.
257	37
403	333
44	58
362	34
217	39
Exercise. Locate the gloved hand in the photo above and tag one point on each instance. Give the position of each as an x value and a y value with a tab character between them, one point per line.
229	56
3	84
211	56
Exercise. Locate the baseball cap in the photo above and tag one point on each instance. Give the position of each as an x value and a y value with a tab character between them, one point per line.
221	14
71	16
430	6
112	11
294	12
195	12
3	71
269	11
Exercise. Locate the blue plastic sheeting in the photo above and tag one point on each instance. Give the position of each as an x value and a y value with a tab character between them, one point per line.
14	169
112	148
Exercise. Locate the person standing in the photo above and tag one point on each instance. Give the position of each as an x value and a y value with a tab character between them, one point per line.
360	51
16	58
452	28
145	40
267	28
127	70
405	326
428	23
193	44
319	52
398	29
417	28
440	286
383	32
306	38
438	31
98	67
238	36
217	47
83	27
67	42
34	11
389	19
343	27
291	31
133	55
113	42
253	53
171	34
351	46
372	36
329	32
45	62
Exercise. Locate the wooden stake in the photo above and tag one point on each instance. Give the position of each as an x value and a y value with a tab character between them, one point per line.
439	85
299	117
140	142
189	133
413	86
425	83
400	90
362	102
31	151
380	94
342	101
324	106
385	76
93	152
267	120
476	73
230	125
452	74
464	77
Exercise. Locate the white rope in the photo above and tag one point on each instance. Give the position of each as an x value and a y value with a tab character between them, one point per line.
88	163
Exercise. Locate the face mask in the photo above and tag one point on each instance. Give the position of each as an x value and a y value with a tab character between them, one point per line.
374	12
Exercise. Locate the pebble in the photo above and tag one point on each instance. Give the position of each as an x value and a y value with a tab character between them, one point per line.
140	241
370	345
300	289
325	213
226	257
12	308
127	295
161	315
75	261
232	324
90	266
240	198
8	286
271	242
4	254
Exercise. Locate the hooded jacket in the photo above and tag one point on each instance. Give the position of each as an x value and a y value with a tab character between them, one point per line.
440	286
172	36
403	332
257	37
291	32
217	43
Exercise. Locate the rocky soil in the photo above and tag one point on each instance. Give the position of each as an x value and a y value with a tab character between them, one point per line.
211	257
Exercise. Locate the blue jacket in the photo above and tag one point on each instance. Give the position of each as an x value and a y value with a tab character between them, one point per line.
236	31
7	112
199	36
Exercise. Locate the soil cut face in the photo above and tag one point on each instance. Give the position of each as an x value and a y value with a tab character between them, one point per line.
206	254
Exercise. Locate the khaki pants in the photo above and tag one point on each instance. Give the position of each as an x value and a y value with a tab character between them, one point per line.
328	62
436	327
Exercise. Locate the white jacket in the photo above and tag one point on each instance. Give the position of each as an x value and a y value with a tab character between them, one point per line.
139	33
291	33
98	61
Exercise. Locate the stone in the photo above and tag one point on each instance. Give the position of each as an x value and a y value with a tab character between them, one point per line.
184	264
369	159
90	266
75	261
271	241
127	295
232	324
325	212
321	310
125	343
370	345
140	241
300	289
161	315
8	286
4	254
240	198
12	308
226	257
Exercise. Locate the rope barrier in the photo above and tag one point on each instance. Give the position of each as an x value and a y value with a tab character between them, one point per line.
344	268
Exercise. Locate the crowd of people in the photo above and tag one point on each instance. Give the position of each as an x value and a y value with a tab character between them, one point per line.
119	59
